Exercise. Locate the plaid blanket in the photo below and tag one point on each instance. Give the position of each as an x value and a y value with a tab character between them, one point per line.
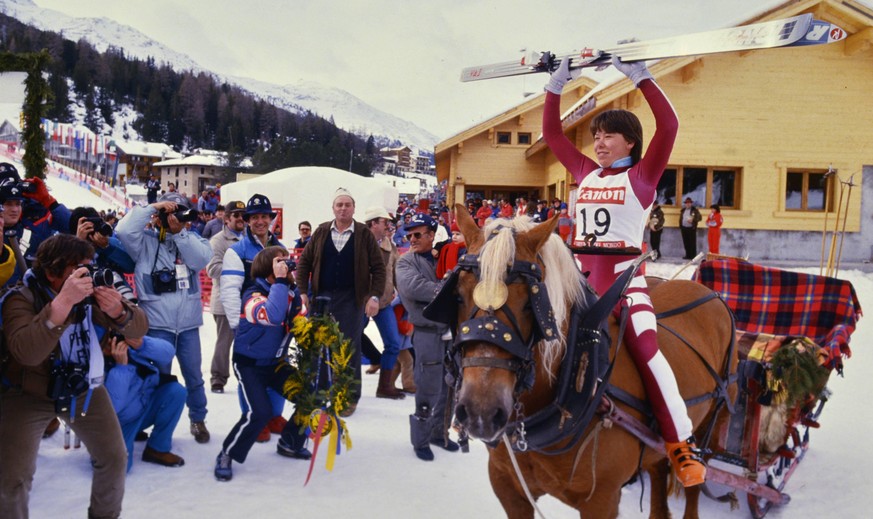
777	302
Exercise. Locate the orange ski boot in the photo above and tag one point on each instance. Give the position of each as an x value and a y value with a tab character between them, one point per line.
686	461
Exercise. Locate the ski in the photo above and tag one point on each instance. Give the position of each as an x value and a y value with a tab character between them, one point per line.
789	32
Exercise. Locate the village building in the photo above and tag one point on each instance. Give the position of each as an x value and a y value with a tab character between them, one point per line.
779	138
135	161
200	171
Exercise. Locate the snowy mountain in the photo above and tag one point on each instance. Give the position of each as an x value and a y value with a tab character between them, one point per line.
348	111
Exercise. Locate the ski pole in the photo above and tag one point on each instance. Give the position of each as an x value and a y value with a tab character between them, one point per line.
851	184
824	230
832	251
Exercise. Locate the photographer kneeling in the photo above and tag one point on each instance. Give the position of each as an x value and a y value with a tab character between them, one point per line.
55	369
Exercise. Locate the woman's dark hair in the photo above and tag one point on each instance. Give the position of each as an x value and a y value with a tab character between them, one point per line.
262	265
78	213
58	252
622	122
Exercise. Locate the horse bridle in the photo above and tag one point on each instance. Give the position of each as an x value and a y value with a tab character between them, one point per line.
489	329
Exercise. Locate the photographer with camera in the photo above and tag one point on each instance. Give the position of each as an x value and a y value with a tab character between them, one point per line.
236	278
269	305
142	396
85	222
168	262
55	369
27	204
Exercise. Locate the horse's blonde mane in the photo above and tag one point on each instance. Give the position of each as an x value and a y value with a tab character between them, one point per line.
563	279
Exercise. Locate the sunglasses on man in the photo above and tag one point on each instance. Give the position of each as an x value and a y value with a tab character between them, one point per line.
417	234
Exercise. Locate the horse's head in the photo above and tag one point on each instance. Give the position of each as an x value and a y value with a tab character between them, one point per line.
514	289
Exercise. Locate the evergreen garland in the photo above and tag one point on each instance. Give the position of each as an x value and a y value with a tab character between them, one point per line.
796	372
36	94
319	342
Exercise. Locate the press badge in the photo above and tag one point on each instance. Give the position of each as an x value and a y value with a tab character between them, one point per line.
182	282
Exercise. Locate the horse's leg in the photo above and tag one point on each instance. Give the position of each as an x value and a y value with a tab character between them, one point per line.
604	503
658	476
692	500
504	483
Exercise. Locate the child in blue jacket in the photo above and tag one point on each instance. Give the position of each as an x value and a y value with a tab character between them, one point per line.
268	306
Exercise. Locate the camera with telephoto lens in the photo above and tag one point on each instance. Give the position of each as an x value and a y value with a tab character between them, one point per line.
102	277
164	281
181	214
67	381
100	225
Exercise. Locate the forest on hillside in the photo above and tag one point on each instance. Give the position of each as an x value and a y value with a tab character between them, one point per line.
184	109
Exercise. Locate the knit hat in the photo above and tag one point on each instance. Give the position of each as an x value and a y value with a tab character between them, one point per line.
7	170
342	192
454	227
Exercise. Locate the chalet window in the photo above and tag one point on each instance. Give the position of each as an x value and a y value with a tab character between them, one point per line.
705	186
806	190
504	137
524	139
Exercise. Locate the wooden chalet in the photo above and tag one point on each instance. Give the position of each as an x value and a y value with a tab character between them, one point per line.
759	131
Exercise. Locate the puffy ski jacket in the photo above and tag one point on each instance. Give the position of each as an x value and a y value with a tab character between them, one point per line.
266	308
131	385
235	272
172	311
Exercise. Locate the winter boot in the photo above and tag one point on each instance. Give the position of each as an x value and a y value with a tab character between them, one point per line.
419	430
386	388
407	364
687	463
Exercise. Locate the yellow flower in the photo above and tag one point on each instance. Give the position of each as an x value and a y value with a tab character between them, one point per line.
291	387
322	336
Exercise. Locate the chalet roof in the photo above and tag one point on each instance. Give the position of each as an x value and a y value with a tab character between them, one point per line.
147	149
854	17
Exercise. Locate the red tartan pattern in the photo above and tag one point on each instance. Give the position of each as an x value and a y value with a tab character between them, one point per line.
778	302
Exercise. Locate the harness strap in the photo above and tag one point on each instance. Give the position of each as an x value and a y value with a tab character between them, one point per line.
491	362
687	307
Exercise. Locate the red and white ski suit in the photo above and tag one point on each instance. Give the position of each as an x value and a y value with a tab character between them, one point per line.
637	192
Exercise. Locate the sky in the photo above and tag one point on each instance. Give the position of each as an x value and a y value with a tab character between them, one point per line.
404	57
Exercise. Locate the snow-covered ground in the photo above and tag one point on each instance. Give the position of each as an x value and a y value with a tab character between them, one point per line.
381	478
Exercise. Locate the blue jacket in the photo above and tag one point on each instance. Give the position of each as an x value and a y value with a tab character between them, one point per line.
114	257
235	272
131	385
176	311
267	309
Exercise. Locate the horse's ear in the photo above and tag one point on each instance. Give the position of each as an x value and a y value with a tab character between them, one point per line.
538	236
472	233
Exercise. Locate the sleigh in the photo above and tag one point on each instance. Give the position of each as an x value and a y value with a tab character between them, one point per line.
793	332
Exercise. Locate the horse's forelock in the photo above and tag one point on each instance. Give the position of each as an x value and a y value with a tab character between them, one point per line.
562	276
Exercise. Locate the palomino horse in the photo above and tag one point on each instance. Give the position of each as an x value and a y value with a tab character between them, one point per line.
494	393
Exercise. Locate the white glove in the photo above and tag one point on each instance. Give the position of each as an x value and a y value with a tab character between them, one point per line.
635	71
561	76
